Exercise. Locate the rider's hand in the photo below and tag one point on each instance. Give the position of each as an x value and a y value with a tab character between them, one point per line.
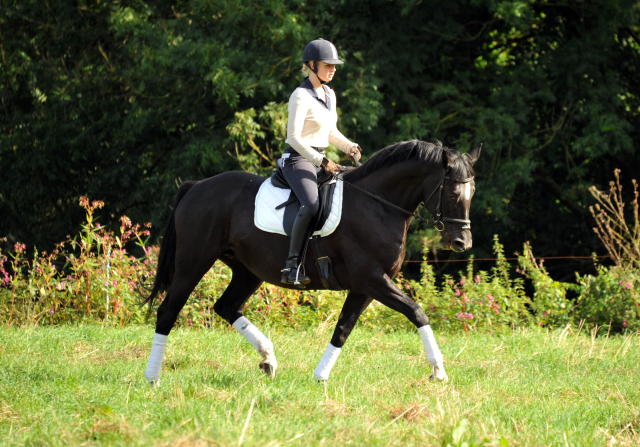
356	153
329	166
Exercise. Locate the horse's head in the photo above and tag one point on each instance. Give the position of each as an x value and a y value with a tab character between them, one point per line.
455	193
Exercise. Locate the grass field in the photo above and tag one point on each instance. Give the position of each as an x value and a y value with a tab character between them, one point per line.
85	386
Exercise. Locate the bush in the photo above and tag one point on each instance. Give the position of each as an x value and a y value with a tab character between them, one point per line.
93	277
550	305
475	300
611	297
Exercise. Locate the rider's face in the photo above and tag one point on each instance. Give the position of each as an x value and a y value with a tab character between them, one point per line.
326	71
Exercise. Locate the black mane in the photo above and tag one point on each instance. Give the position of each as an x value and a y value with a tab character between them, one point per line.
412	150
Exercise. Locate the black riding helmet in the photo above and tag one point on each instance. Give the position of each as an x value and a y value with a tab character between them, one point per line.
320	50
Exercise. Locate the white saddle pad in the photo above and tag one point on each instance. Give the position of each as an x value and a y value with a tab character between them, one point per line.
269	219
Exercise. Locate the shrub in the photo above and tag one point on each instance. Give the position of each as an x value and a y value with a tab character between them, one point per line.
88	278
475	300
611	297
550	305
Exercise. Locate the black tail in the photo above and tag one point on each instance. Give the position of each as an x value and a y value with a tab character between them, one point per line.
167	257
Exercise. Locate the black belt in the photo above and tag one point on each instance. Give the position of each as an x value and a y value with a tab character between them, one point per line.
291	150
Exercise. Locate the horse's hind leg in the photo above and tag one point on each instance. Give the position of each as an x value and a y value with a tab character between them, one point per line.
229	306
352	308
387	293
187	276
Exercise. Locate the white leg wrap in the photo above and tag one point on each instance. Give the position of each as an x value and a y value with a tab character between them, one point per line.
433	352
253	335
262	344
152	373
326	362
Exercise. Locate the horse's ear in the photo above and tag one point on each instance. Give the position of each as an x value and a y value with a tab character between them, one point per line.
447	161
475	153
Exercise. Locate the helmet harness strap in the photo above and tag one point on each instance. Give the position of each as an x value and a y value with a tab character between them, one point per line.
314	69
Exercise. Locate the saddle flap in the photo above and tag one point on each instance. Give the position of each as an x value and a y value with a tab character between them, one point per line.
277	179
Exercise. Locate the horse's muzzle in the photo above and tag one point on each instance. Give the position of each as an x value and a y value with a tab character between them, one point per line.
457	242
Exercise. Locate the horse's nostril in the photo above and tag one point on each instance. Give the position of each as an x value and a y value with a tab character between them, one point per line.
459	246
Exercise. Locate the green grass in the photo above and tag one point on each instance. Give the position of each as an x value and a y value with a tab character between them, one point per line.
85	386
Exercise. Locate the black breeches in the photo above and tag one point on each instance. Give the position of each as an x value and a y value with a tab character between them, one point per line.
302	176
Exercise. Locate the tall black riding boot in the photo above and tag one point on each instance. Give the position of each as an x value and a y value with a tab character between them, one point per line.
291	274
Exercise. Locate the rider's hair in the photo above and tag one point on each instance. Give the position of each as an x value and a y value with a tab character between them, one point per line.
305	70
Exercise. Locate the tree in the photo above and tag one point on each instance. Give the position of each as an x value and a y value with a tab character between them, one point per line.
121	100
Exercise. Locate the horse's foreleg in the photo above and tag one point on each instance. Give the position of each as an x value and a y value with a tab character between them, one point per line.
387	293
353	307
243	284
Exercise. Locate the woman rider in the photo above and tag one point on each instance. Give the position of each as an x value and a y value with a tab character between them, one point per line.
311	127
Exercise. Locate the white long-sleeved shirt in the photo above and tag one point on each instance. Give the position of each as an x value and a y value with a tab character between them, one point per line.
312	123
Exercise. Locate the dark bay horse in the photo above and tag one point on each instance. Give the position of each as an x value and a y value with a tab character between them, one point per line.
214	219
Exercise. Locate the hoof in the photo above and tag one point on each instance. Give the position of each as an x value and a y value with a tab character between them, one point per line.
268	370
439	379
154	383
438	374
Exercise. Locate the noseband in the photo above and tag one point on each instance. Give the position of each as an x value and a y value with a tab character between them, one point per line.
439	222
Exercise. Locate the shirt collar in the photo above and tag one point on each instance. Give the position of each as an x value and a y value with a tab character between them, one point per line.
308	86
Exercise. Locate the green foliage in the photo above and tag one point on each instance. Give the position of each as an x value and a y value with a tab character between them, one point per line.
550	304
460	436
119	99
93	278
474	301
610	299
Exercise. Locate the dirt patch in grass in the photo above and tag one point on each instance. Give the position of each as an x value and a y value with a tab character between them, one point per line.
6	412
410	413
333	408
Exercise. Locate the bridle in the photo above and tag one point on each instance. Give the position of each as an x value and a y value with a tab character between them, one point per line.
439	222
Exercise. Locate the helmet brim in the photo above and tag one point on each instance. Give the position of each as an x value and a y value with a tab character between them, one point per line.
332	61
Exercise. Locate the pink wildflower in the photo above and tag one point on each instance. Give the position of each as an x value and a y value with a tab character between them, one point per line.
51	310
490	298
462	282
628	286
478	279
480	302
545	312
408	287
457	292
624	323
19	248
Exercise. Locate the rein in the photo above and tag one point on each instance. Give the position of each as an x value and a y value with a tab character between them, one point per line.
439	222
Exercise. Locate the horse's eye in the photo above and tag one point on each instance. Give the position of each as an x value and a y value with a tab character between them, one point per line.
453	196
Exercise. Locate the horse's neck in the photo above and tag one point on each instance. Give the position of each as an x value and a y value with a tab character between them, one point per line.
403	184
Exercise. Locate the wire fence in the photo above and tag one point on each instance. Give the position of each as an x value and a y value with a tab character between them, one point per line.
434	261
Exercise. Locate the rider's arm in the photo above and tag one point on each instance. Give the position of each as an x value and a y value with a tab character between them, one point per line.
298	109
341	142
335	136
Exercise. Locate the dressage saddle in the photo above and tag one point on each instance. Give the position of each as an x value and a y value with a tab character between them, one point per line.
326	189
